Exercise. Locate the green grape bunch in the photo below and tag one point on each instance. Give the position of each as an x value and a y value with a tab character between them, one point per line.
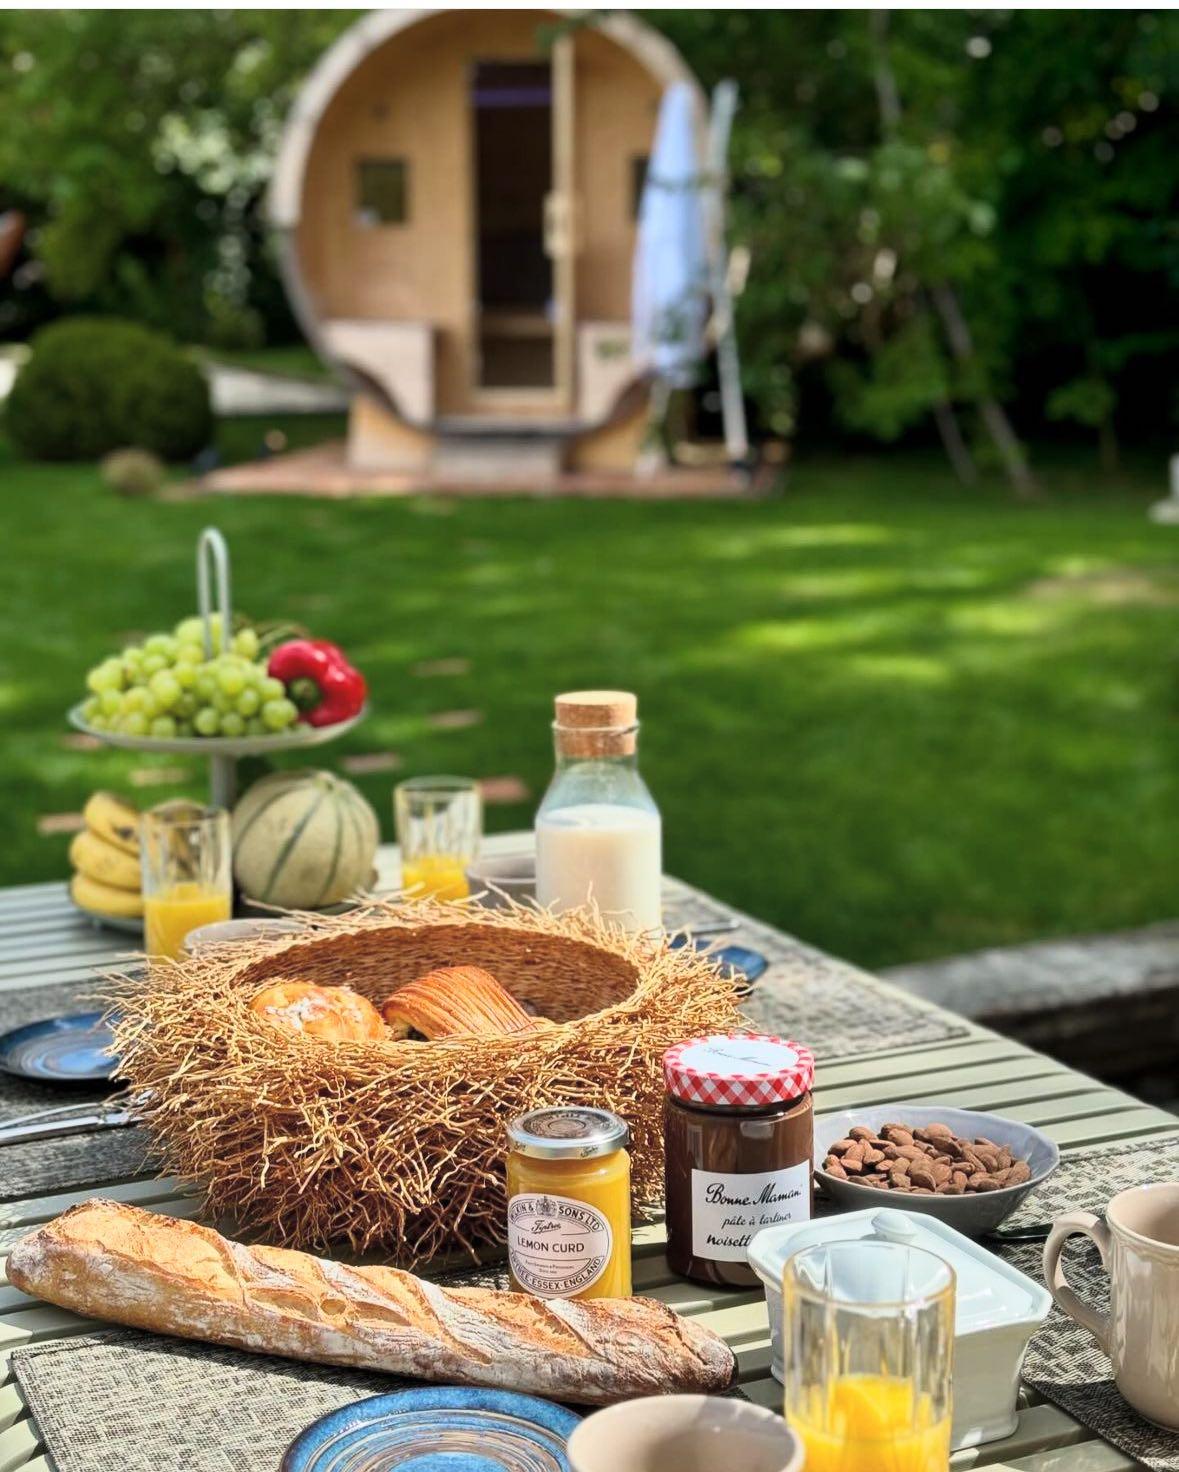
167	687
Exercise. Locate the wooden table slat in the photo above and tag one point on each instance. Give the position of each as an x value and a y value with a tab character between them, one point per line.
1090	1456
54	974
1131	1124
1019	1080
19	1444
12	1406
958	1053
62	949
147	1191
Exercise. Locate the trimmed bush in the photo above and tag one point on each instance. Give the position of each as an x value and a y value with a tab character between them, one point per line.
96	384
133	472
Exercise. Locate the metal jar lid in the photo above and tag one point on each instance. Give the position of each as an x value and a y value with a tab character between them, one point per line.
568	1133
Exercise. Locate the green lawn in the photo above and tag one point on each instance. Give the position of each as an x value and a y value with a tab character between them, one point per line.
893	716
296	360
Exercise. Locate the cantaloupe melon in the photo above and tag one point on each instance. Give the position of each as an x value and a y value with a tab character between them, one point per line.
303	840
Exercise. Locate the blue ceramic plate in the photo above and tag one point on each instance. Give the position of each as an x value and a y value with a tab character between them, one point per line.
437	1429
745	965
59	1050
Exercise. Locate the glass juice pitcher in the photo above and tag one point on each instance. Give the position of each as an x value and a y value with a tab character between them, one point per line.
868	1349
187	878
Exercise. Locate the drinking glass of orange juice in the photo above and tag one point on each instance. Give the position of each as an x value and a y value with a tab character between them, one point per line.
869	1346
185	854
439	825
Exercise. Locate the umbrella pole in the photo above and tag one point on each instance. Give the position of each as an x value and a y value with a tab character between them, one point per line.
724	106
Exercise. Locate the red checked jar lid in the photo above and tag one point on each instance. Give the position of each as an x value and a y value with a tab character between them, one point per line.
738	1071
738	1128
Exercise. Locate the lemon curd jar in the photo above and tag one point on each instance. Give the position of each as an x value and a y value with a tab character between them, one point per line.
569	1203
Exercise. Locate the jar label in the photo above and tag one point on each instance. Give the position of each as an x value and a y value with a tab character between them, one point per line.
557	1247
727	1209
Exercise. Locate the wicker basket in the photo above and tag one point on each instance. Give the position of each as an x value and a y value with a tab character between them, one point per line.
400	1145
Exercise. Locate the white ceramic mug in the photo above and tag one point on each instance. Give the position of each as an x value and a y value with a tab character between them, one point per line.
684	1433
1139	1246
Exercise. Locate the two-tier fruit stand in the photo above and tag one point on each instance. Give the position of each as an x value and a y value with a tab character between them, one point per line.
222	752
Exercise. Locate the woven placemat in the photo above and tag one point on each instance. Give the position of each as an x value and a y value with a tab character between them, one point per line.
39	1167
1087	1180
1066	1366
837	1010
146	1403
143	1403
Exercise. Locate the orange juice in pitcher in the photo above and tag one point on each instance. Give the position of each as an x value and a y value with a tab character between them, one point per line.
169	915
868	1348
872	1423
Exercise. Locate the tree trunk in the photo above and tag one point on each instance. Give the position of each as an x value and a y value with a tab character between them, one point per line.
887	97
956	448
889	102
994	416
954	324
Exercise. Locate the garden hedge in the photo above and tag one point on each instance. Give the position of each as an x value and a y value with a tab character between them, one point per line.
96	384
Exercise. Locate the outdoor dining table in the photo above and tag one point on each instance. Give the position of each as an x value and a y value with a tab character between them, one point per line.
44	940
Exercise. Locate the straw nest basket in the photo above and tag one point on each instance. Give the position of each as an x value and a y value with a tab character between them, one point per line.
401	1145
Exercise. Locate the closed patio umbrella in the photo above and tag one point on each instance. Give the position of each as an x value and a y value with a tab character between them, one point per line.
669	299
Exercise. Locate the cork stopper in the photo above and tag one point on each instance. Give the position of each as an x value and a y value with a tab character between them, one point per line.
593	723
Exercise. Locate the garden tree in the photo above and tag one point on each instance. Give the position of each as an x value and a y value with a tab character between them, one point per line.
941	292
140	141
953	217
926	201
1082	118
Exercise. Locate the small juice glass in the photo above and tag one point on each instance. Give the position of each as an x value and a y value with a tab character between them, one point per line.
439	826
868	1348
187	877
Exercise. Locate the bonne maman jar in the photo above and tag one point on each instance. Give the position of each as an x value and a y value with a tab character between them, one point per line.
739	1135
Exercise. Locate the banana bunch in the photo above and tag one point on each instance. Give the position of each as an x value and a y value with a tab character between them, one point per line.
105	856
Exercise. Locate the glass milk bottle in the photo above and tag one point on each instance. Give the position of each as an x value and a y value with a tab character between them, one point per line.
598	831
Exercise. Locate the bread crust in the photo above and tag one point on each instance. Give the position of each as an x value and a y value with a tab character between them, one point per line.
112	1261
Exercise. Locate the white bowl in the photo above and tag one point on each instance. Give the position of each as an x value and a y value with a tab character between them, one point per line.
495	879
683	1433
226	932
974	1214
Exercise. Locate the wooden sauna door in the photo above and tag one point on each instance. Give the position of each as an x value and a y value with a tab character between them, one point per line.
523	273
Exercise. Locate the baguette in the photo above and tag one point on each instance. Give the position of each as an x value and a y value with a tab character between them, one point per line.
117	1262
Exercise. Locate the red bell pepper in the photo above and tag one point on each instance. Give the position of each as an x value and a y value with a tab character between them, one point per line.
319	679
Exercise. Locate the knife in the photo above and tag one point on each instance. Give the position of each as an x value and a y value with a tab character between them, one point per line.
1033	1232
70	1119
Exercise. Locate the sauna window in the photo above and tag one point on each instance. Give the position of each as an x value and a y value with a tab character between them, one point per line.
382	191
638	182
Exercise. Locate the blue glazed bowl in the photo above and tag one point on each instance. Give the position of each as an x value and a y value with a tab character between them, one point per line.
437	1429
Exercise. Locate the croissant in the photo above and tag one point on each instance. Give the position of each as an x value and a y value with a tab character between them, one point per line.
454	1000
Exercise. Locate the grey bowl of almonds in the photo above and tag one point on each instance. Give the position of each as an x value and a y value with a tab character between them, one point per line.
971	1170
